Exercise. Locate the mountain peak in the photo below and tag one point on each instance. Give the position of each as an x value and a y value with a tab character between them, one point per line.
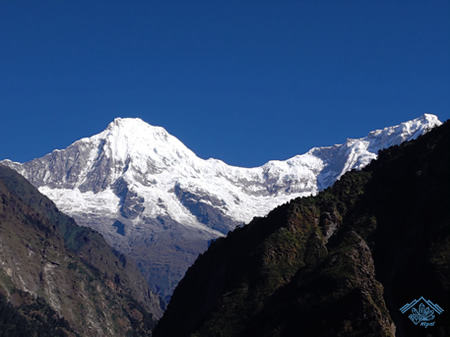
426	121
135	128
430	118
126	123
149	195
132	138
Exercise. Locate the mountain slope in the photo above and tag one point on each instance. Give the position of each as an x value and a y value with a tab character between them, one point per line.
154	200
341	263
61	279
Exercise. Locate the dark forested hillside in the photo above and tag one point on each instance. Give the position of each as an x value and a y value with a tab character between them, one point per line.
341	263
59	279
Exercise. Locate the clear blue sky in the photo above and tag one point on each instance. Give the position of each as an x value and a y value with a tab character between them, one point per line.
241	81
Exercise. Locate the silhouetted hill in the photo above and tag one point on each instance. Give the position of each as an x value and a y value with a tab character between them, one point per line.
59	279
342	263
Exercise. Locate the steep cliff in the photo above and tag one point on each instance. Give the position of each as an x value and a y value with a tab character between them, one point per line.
58	279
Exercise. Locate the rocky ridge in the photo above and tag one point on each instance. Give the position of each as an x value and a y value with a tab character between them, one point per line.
153	199
341	263
60	279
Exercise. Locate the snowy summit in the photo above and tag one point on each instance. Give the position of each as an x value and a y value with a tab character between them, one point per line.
155	200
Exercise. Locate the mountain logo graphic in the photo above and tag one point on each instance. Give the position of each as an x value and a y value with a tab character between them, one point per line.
424	313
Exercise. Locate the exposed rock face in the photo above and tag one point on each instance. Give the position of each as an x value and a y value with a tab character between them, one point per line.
169	202
341	263
47	261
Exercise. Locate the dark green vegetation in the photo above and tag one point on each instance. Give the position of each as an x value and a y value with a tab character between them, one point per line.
59	279
31	317
339	264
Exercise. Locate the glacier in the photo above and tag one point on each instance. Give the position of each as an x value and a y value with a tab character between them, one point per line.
170	203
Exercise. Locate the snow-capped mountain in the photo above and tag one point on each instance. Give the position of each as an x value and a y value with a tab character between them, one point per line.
155	200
